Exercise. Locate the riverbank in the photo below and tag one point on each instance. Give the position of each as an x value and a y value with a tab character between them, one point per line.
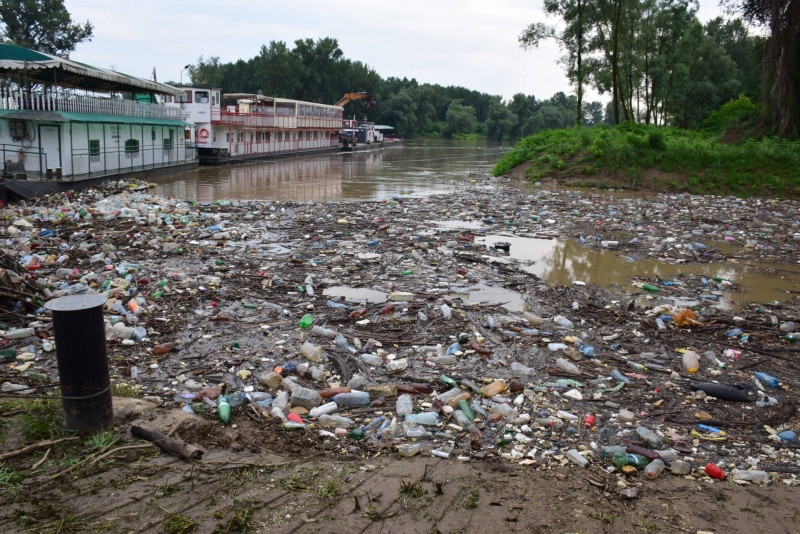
652	158
221	289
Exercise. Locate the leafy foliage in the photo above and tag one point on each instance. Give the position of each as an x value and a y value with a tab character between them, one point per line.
43	25
734	112
707	165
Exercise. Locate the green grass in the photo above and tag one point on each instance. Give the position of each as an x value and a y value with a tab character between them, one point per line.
42	420
179	524
8	477
124	389
102	440
697	162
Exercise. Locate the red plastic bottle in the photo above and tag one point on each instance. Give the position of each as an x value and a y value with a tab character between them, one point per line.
589	421
715	471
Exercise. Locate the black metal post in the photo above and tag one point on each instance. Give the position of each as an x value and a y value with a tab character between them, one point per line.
82	363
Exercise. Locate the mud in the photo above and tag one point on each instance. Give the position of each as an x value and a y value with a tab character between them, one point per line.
236	282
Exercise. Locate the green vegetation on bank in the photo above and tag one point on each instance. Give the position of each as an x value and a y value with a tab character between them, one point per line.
667	158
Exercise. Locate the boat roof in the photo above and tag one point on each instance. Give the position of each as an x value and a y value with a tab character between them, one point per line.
29	65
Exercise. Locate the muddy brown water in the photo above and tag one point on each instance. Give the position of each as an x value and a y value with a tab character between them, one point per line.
424	168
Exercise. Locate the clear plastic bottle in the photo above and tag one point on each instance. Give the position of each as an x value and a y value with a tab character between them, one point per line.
568	366
577	458
327	408
679	467
496	387
353	398
321	331
654	468
690	361
424	418
336	421
404	405
753	475
649	437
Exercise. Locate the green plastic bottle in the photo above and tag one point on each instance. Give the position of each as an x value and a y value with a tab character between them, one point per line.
224	409
356	434
636	460
651	287
306	320
449	381
463	405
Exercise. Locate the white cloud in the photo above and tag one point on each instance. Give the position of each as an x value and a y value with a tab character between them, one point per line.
469	43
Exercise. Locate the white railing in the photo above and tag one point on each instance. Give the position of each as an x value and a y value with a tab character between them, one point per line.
19	99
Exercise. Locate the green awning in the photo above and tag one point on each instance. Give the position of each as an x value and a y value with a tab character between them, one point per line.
69	116
17	62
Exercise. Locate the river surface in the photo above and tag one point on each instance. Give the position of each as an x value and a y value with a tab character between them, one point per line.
416	169
431	167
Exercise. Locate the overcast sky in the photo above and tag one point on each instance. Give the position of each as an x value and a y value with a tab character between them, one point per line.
468	43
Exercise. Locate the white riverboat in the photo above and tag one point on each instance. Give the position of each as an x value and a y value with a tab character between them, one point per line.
65	124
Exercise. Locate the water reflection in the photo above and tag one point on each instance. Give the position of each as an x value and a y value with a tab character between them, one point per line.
565	261
421	168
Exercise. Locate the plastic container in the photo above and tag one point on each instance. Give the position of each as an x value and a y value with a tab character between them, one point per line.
577	458
336	421
496	387
620	458
424	418
353	398
768	380
563	322
327	408
679	467
311	352
752	475
654	468
567	366
714	471
649	437
404	405
321	331
306	320
223	409
690	361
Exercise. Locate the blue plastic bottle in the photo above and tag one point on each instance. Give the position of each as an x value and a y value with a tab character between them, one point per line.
767	380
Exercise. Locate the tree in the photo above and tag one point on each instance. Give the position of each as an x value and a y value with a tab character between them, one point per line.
460	118
43	25
500	122
780	101
572	38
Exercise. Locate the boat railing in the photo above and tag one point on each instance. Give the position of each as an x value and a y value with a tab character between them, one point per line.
18	99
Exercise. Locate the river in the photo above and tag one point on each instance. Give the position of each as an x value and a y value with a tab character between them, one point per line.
429	167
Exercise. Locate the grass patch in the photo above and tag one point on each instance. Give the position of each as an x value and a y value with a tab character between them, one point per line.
42	420
371	513
240	519
648	526
329	489
9	477
471	500
763	166
179	524
606	519
293	484
102	440
124	389
164	490
412	490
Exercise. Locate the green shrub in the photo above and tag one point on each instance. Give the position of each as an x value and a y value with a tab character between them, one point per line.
730	114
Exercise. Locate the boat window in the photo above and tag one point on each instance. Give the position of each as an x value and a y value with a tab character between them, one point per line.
216	98
132	146
153	135
201	97
94	147
186	96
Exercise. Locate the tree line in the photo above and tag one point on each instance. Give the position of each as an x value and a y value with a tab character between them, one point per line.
658	63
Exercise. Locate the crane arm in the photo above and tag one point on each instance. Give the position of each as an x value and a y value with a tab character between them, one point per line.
370	103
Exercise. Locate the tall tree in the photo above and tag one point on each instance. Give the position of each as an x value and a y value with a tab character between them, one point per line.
43	25
572	38
780	101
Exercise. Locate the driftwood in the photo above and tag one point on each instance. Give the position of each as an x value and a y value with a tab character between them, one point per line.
35	446
173	445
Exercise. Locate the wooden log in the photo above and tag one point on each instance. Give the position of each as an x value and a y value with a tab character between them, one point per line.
173	445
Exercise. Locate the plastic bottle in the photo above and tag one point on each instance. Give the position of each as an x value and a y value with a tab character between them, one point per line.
306	320
679	467
496	387
642	451
753	475
577	458
404	405
654	468
619	459
311	352
327	408
447	312
424	418
649	437
409	450
372	359
354	398
568	366
223	409
690	361
464	406
620	377
768	380
452	349
324	332
609	451
563	322
336	421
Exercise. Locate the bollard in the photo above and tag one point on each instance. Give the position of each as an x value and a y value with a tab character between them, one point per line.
82	364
